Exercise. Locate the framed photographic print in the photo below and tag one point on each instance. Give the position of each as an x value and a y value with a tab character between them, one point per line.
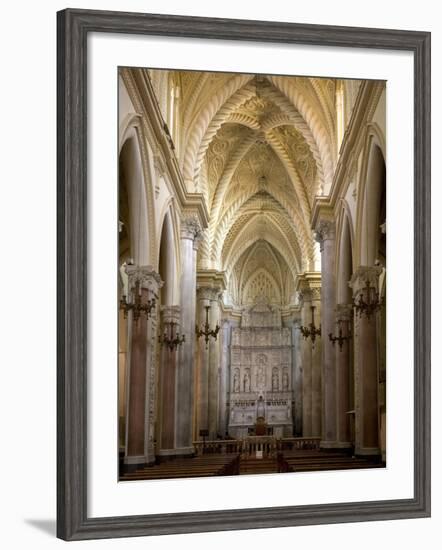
228	354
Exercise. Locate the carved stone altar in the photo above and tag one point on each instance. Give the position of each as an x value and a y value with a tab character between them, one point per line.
260	379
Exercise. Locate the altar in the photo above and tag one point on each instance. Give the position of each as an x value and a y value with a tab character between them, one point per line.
260	376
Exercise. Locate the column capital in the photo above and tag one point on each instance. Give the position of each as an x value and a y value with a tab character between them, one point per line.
198	240
304	295
315	293
190	227
309	287
146	276
209	293
325	231
211	278
362	275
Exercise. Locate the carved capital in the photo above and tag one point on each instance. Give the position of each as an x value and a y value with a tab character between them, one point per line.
146	276
304	295
364	274
209	293
315	293
325	231
190	228
198	240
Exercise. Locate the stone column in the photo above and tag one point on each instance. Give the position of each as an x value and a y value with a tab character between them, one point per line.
214	364
342	354
325	235
224	376
190	234
316	355
366	368
297	377
141	372
202	409
306	359
168	383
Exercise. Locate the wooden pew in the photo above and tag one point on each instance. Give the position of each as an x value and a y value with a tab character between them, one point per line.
203	466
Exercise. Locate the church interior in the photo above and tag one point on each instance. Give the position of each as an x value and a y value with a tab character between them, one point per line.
251	274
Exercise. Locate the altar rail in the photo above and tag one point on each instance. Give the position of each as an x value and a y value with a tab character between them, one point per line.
250	445
218	446
298	443
265	445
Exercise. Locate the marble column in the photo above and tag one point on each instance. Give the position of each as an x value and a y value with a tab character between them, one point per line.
141	384
297	377
168	383
316	359
366	368
190	238
225	335
202	385
306	359
214	364
325	235
342	357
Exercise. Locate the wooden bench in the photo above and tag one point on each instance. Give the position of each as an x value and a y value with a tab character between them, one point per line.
203	466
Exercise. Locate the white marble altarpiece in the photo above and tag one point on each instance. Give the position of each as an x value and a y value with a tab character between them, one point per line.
260	375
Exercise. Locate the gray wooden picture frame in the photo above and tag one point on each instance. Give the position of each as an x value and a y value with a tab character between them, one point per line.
73	27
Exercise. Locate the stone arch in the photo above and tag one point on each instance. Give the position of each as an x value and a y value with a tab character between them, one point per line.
168	261
371	189
317	129
131	176
275	238
345	259
132	137
296	222
262	283
249	257
201	124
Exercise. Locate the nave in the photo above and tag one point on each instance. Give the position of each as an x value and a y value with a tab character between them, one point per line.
252	273
230	464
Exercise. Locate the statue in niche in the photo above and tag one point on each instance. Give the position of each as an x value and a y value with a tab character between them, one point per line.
261	376
236	381
285	380
275	380
286	336
246	383
260	411
261	359
246	319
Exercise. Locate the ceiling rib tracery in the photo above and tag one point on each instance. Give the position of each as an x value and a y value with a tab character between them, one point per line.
259	148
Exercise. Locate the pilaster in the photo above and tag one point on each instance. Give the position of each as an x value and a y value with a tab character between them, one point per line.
210	285
168	383
344	316
141	399
365	368
325	235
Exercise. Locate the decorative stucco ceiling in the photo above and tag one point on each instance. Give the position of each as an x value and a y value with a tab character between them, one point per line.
259	148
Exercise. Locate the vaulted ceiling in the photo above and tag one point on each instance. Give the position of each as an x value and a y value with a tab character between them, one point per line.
259	148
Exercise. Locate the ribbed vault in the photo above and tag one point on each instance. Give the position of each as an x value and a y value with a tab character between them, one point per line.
259	148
